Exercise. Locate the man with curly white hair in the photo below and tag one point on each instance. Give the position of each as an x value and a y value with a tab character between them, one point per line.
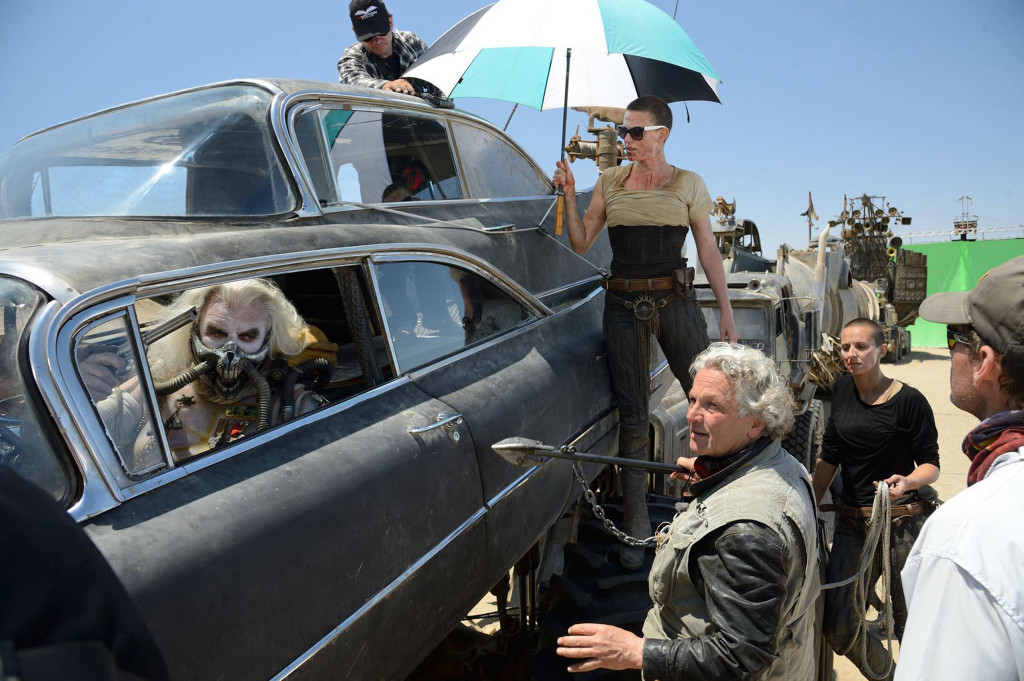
735	577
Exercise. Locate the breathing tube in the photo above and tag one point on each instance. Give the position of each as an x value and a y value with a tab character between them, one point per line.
319	367
262	391
186	377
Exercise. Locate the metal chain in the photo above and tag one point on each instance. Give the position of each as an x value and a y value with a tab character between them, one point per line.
577	470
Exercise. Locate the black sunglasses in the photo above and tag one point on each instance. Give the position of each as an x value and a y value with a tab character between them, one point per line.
637	133
375	36
954	337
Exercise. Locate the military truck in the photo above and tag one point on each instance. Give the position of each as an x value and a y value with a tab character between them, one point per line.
793	308
898	277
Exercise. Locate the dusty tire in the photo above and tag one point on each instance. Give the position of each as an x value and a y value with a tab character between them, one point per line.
593	587
804	440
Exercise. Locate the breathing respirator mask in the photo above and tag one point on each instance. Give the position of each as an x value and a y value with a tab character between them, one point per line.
228	380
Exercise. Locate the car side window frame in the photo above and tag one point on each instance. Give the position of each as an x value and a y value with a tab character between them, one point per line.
517	152
336	200
101	458
534	311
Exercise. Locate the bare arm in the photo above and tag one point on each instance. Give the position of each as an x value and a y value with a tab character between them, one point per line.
711	263
925	474
821	479
582	232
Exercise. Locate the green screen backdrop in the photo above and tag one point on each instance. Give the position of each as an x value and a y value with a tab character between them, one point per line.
957	266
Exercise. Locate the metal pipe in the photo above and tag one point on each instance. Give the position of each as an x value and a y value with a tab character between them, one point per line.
524	452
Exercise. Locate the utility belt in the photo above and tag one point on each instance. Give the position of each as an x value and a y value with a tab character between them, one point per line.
680	281
901	511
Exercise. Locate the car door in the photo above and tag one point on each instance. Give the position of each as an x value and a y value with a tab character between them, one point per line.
511	370
289	551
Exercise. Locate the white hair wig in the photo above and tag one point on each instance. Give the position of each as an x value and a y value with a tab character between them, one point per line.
759	389
172	354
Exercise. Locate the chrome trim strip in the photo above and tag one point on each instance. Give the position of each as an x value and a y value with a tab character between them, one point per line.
371	276
552	292
97	495
512	486
380	595
43	279
282	119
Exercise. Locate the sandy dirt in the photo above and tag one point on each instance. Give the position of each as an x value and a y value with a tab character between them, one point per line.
927	369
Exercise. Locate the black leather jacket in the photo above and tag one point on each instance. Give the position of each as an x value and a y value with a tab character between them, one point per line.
742	571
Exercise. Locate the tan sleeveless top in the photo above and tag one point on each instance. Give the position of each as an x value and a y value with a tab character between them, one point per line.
683	200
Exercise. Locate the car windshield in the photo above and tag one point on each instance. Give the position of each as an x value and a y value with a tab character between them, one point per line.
23	446
203	153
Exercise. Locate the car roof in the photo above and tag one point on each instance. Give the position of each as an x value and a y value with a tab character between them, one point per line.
84	253
286	87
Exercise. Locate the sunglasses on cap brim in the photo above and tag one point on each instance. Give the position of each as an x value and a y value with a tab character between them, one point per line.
637	133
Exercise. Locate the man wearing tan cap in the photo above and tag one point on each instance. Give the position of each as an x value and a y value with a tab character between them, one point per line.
963	580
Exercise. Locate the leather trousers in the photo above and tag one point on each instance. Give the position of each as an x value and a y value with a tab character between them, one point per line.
682	336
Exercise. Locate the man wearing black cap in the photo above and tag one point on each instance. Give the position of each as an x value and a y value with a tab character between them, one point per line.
962	579
382	54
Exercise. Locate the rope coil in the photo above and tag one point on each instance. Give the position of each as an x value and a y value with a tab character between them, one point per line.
878	528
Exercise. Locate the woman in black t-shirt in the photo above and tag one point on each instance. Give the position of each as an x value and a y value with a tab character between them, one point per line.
879	429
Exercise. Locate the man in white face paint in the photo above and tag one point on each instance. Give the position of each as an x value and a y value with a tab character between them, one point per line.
211	377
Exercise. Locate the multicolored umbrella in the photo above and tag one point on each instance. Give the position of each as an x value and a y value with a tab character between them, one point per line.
520	51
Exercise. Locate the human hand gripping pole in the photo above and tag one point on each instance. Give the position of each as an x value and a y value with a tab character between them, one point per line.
562	178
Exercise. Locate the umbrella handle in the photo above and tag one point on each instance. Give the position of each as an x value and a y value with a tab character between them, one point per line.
559	213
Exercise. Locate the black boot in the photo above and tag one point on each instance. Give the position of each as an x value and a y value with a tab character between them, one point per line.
636	522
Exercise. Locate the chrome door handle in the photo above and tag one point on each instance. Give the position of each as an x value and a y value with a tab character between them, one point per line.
446	420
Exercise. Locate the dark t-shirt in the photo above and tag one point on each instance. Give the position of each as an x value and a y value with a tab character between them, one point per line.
873	442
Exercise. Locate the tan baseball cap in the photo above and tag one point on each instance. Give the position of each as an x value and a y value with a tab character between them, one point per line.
994	307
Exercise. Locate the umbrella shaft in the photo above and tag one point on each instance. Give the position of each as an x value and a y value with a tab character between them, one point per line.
565	103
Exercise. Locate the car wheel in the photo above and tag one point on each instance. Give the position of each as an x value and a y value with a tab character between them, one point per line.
804	440
593	587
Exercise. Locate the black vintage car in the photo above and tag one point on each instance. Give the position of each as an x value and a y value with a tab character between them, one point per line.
346	542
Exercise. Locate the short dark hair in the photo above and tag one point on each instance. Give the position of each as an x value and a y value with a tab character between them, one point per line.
1012	379
654	106
877	335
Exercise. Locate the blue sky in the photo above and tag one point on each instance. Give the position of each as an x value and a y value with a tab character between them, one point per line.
920	102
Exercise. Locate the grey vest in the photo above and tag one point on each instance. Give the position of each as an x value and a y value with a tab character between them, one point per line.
772	489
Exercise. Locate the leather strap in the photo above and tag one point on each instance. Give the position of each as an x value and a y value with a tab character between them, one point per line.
630	285
913	508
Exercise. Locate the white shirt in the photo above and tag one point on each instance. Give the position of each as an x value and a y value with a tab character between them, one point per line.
964	583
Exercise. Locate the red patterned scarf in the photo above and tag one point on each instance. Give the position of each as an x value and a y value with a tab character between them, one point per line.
996	435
